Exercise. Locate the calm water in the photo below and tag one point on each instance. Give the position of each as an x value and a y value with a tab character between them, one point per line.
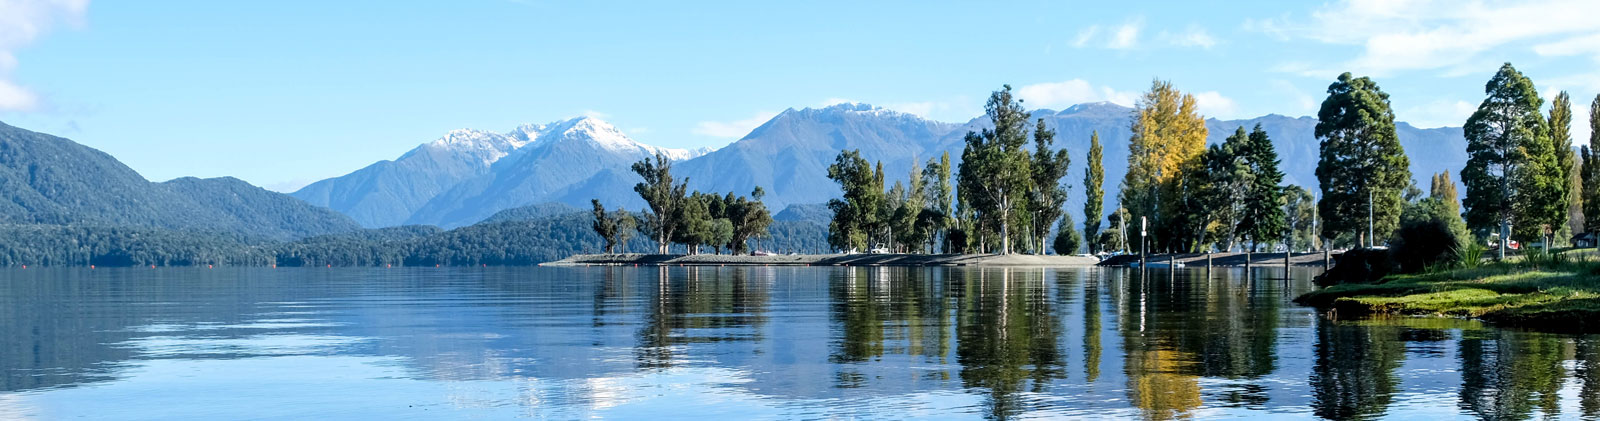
744	343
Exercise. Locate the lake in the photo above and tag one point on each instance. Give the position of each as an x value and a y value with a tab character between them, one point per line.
750	343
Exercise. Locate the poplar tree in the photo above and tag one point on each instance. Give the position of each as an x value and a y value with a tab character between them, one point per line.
1168	137
1094	179
1047	194
1444	189
995	173
940	194
1591	171
1362	167
1561	144
1512	177
1262	216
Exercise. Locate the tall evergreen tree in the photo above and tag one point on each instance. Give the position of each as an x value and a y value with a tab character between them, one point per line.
1066	241
664	198
1512	177
1362	169
1227	181
604	226
995	173
1047	194
1263	217
1168	137
1094	180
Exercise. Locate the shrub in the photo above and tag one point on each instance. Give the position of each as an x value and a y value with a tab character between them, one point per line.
1430	234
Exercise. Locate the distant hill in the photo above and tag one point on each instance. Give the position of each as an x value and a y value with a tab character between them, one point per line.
46	179
815	213
542	210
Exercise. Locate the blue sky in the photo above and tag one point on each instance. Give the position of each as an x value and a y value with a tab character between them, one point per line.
282	93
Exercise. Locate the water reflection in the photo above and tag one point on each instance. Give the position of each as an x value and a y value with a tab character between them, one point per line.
855	342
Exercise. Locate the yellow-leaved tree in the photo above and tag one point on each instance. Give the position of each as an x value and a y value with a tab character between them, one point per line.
1168	137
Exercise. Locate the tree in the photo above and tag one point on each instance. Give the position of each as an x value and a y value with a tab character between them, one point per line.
1362	167
664	199
995	172
1067	241
1168	136
856	213
912	227
1444	189
1263	215
937	187
1566	159
1591	171
1512	176
1300	208
694	222
750	220
1047	194
1094	180
614	227
721	234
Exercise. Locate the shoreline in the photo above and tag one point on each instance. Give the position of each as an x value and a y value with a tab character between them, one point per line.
1553	299
900	260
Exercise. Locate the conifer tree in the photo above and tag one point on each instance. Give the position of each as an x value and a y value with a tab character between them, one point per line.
1512	176
995	173
1067	241
1262	217
1047	195
1362	168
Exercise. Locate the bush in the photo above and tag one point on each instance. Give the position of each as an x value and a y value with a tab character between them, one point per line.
1431	234
1359	266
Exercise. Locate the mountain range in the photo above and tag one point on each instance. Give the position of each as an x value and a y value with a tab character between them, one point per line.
46	179
469	175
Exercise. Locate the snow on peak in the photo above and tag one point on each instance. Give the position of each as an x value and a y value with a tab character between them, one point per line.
600	134
481	145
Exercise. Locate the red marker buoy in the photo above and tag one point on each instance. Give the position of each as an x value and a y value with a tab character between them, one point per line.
208	266
91	267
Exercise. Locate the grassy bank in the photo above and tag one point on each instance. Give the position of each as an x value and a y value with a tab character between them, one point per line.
1553	294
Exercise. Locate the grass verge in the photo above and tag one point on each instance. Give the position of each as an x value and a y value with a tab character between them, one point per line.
1557	294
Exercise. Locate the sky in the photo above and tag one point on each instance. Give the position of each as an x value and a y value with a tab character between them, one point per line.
282	93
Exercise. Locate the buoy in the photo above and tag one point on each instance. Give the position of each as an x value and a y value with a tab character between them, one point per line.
485	265
91	266
435	265
330	266
274	265
152	266
208	266
386	266
24	266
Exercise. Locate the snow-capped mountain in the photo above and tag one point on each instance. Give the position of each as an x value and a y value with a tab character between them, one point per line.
390	193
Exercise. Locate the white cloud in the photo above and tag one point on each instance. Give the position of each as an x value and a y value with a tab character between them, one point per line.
733	129
1120	37
596	114
1213	104
1194	36
1071	92
1127	35
21	23
920	109
1438	113
1085	35
1581	131
1443	34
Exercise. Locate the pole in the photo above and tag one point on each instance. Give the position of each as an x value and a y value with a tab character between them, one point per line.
1372	240
1143	253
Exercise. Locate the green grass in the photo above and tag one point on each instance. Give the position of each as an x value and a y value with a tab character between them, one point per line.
1558	292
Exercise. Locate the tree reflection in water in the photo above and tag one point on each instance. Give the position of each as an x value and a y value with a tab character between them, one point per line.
1507	375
